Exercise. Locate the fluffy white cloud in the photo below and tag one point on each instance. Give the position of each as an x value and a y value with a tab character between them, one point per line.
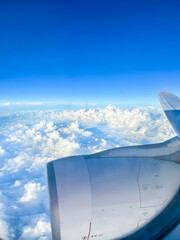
40	230
17	183
32	191
29	139
1	151
4	230
73	129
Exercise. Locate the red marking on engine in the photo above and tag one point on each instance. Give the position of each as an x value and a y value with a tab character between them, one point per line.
89	231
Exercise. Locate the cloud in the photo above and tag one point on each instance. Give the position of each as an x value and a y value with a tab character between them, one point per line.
39	230
32	191
30	139
17	183
4	230
2	151
5	104
74	128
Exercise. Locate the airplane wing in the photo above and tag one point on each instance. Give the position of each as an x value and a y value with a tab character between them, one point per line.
171	106
111	193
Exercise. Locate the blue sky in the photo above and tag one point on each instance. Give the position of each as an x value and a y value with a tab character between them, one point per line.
89	51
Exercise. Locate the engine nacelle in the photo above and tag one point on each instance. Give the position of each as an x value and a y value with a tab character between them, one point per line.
105	198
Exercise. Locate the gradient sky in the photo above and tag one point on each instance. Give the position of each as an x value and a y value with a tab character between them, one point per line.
90	51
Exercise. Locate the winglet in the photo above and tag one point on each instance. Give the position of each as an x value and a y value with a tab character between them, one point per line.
171	106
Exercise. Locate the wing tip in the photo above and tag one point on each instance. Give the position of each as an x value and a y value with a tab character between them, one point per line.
169	101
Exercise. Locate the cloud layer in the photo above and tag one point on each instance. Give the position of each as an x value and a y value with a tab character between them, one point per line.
29	139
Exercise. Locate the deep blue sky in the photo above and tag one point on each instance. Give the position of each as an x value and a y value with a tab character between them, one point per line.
115	51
